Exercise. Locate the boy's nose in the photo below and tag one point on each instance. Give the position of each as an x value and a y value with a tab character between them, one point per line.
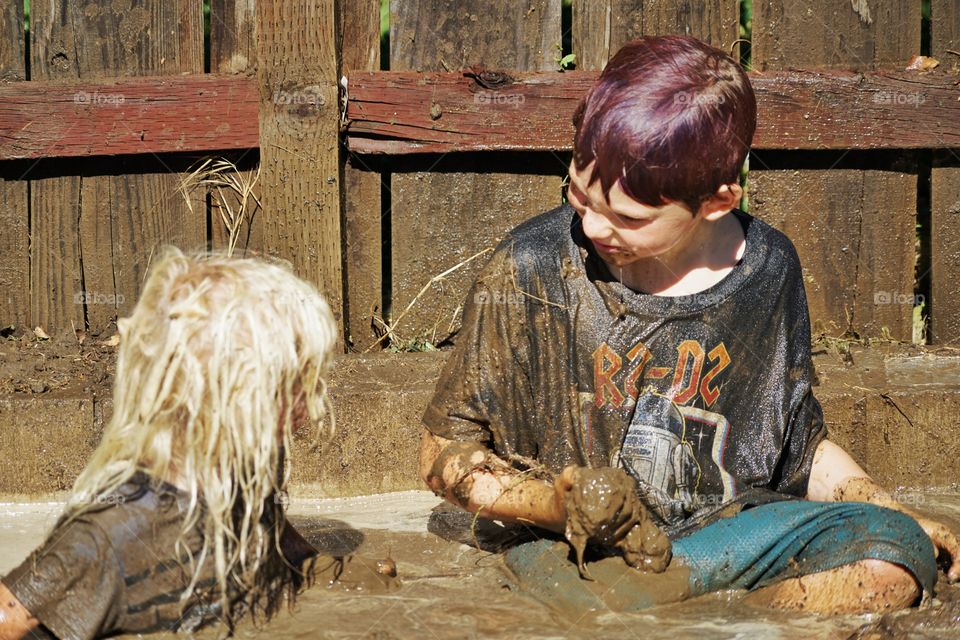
594	225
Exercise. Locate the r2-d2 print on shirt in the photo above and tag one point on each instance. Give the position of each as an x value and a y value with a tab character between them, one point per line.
675	454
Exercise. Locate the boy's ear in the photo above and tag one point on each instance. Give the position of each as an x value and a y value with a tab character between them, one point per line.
727	197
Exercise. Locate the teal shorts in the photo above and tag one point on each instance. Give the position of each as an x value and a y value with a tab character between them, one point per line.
755	548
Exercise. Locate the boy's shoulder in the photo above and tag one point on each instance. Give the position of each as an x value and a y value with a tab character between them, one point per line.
541	235
770	252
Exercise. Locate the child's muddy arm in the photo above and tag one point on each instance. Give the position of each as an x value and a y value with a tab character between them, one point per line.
836	477
470	476
15	620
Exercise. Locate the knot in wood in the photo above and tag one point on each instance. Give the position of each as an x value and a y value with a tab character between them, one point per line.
485	79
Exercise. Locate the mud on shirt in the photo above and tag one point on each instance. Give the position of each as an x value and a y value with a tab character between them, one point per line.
701	398
113	569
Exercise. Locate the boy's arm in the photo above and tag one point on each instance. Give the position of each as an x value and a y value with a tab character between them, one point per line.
15	620
836	477
470	476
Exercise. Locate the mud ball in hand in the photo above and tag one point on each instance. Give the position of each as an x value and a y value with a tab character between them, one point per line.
603	507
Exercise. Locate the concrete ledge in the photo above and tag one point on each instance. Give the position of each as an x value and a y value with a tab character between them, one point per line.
896	413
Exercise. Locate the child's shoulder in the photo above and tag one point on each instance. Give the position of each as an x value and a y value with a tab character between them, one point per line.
537	242
768	242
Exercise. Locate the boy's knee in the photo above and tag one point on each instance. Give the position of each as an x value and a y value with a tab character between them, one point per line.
898	586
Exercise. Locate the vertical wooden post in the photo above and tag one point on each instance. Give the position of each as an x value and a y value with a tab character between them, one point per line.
299	146
14	221
233	50
602	27
360	51
94	233
442	217
945	195
853	228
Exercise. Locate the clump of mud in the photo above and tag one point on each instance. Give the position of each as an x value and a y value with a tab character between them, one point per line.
603	507
355	573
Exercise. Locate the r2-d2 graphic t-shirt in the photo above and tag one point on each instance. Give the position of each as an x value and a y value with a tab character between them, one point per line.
703	399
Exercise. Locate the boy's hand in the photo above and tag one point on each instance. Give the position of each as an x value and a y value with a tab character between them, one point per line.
944	541
602	506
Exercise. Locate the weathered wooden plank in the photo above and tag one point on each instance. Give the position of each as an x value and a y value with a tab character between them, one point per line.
233	51
56	272
440	220
390	113
602	27
115	117
139	204
15	237
944	308
404	112
837	35
233	36
872	215
360	51
299	124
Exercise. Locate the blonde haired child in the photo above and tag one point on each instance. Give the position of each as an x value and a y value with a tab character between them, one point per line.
176	521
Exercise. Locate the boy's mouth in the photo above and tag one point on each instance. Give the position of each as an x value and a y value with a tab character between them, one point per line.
606	248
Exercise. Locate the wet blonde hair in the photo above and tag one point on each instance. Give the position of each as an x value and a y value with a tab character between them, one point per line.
211	366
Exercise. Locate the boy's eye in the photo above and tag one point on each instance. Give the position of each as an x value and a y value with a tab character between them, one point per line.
633	221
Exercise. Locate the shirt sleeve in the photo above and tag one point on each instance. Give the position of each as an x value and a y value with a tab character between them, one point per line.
482	394
804	426
72	584
805	431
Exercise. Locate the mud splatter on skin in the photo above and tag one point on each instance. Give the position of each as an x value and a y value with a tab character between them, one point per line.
455	465
862	490
603	507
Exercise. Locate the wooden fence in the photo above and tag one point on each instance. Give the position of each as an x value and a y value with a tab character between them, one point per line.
107	104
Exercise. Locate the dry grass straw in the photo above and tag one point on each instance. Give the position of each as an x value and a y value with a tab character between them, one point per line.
390	328
232	191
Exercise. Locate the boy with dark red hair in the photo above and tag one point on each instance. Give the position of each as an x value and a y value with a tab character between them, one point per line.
650	330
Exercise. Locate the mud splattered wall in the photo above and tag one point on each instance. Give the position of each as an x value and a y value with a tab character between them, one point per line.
77	235
446	209
944	238
851	214
94	224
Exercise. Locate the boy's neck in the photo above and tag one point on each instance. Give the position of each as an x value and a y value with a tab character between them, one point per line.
694	264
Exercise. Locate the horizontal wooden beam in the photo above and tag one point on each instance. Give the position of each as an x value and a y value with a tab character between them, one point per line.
128	116
405	112
408	112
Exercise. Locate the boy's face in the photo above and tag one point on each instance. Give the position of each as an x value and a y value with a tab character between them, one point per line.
624	231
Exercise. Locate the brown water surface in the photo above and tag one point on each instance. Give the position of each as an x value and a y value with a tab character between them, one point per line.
453	590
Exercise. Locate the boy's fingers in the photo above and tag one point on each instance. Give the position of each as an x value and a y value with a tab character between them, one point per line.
567	478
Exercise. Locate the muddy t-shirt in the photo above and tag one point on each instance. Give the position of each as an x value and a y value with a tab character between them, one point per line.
113	570
699	397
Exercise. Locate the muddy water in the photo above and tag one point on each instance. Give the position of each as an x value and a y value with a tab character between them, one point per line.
452	590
